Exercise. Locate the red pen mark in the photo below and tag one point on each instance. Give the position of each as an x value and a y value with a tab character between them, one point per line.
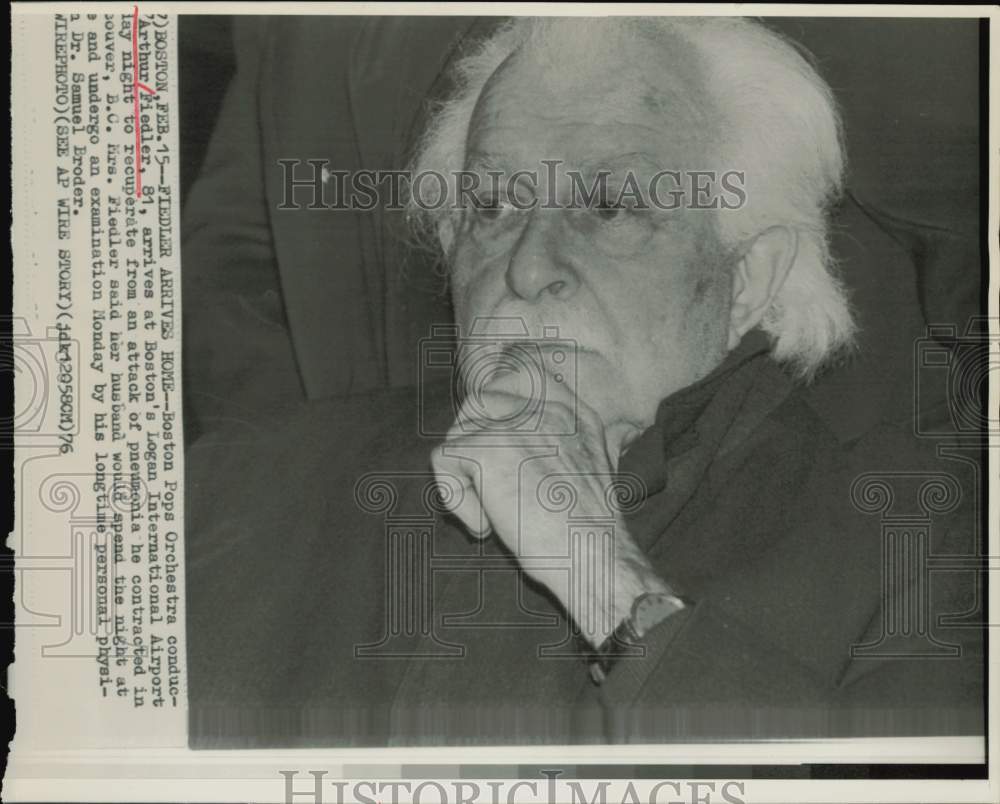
136	86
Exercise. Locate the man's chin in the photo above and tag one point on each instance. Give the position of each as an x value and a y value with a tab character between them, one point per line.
603	392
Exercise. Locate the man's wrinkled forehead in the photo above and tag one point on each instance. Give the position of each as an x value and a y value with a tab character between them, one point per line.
581	74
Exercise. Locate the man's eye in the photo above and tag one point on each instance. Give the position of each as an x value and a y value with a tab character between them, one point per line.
610	211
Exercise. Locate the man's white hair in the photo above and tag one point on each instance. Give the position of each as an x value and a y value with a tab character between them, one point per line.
780	125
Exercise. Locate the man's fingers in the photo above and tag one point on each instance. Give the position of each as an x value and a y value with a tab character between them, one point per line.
495	411
457	488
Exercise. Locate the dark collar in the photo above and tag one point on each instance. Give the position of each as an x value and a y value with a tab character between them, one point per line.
702	413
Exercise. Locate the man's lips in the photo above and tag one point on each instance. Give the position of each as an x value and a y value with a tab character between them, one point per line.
527	368
567	347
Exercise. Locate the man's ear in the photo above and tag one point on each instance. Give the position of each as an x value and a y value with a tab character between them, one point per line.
758	277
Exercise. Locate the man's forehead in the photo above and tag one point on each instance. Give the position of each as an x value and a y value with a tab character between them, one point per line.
604	51
648	100
589	162
588	139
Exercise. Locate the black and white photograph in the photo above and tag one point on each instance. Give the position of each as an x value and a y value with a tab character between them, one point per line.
584	380
481	403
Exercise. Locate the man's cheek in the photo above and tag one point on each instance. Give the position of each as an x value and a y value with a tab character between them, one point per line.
460	285
600	384
476	285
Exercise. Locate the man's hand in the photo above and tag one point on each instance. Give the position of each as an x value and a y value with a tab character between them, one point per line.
522	486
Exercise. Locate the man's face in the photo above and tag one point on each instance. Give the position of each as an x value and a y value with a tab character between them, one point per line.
644	293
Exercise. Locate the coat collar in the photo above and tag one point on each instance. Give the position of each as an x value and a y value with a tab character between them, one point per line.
695	413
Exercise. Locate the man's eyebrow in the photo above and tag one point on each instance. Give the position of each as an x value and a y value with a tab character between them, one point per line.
639	162
616	163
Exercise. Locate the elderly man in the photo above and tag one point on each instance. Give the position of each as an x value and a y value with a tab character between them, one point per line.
632	513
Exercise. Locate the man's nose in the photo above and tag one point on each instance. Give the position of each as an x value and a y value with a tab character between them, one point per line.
539	265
